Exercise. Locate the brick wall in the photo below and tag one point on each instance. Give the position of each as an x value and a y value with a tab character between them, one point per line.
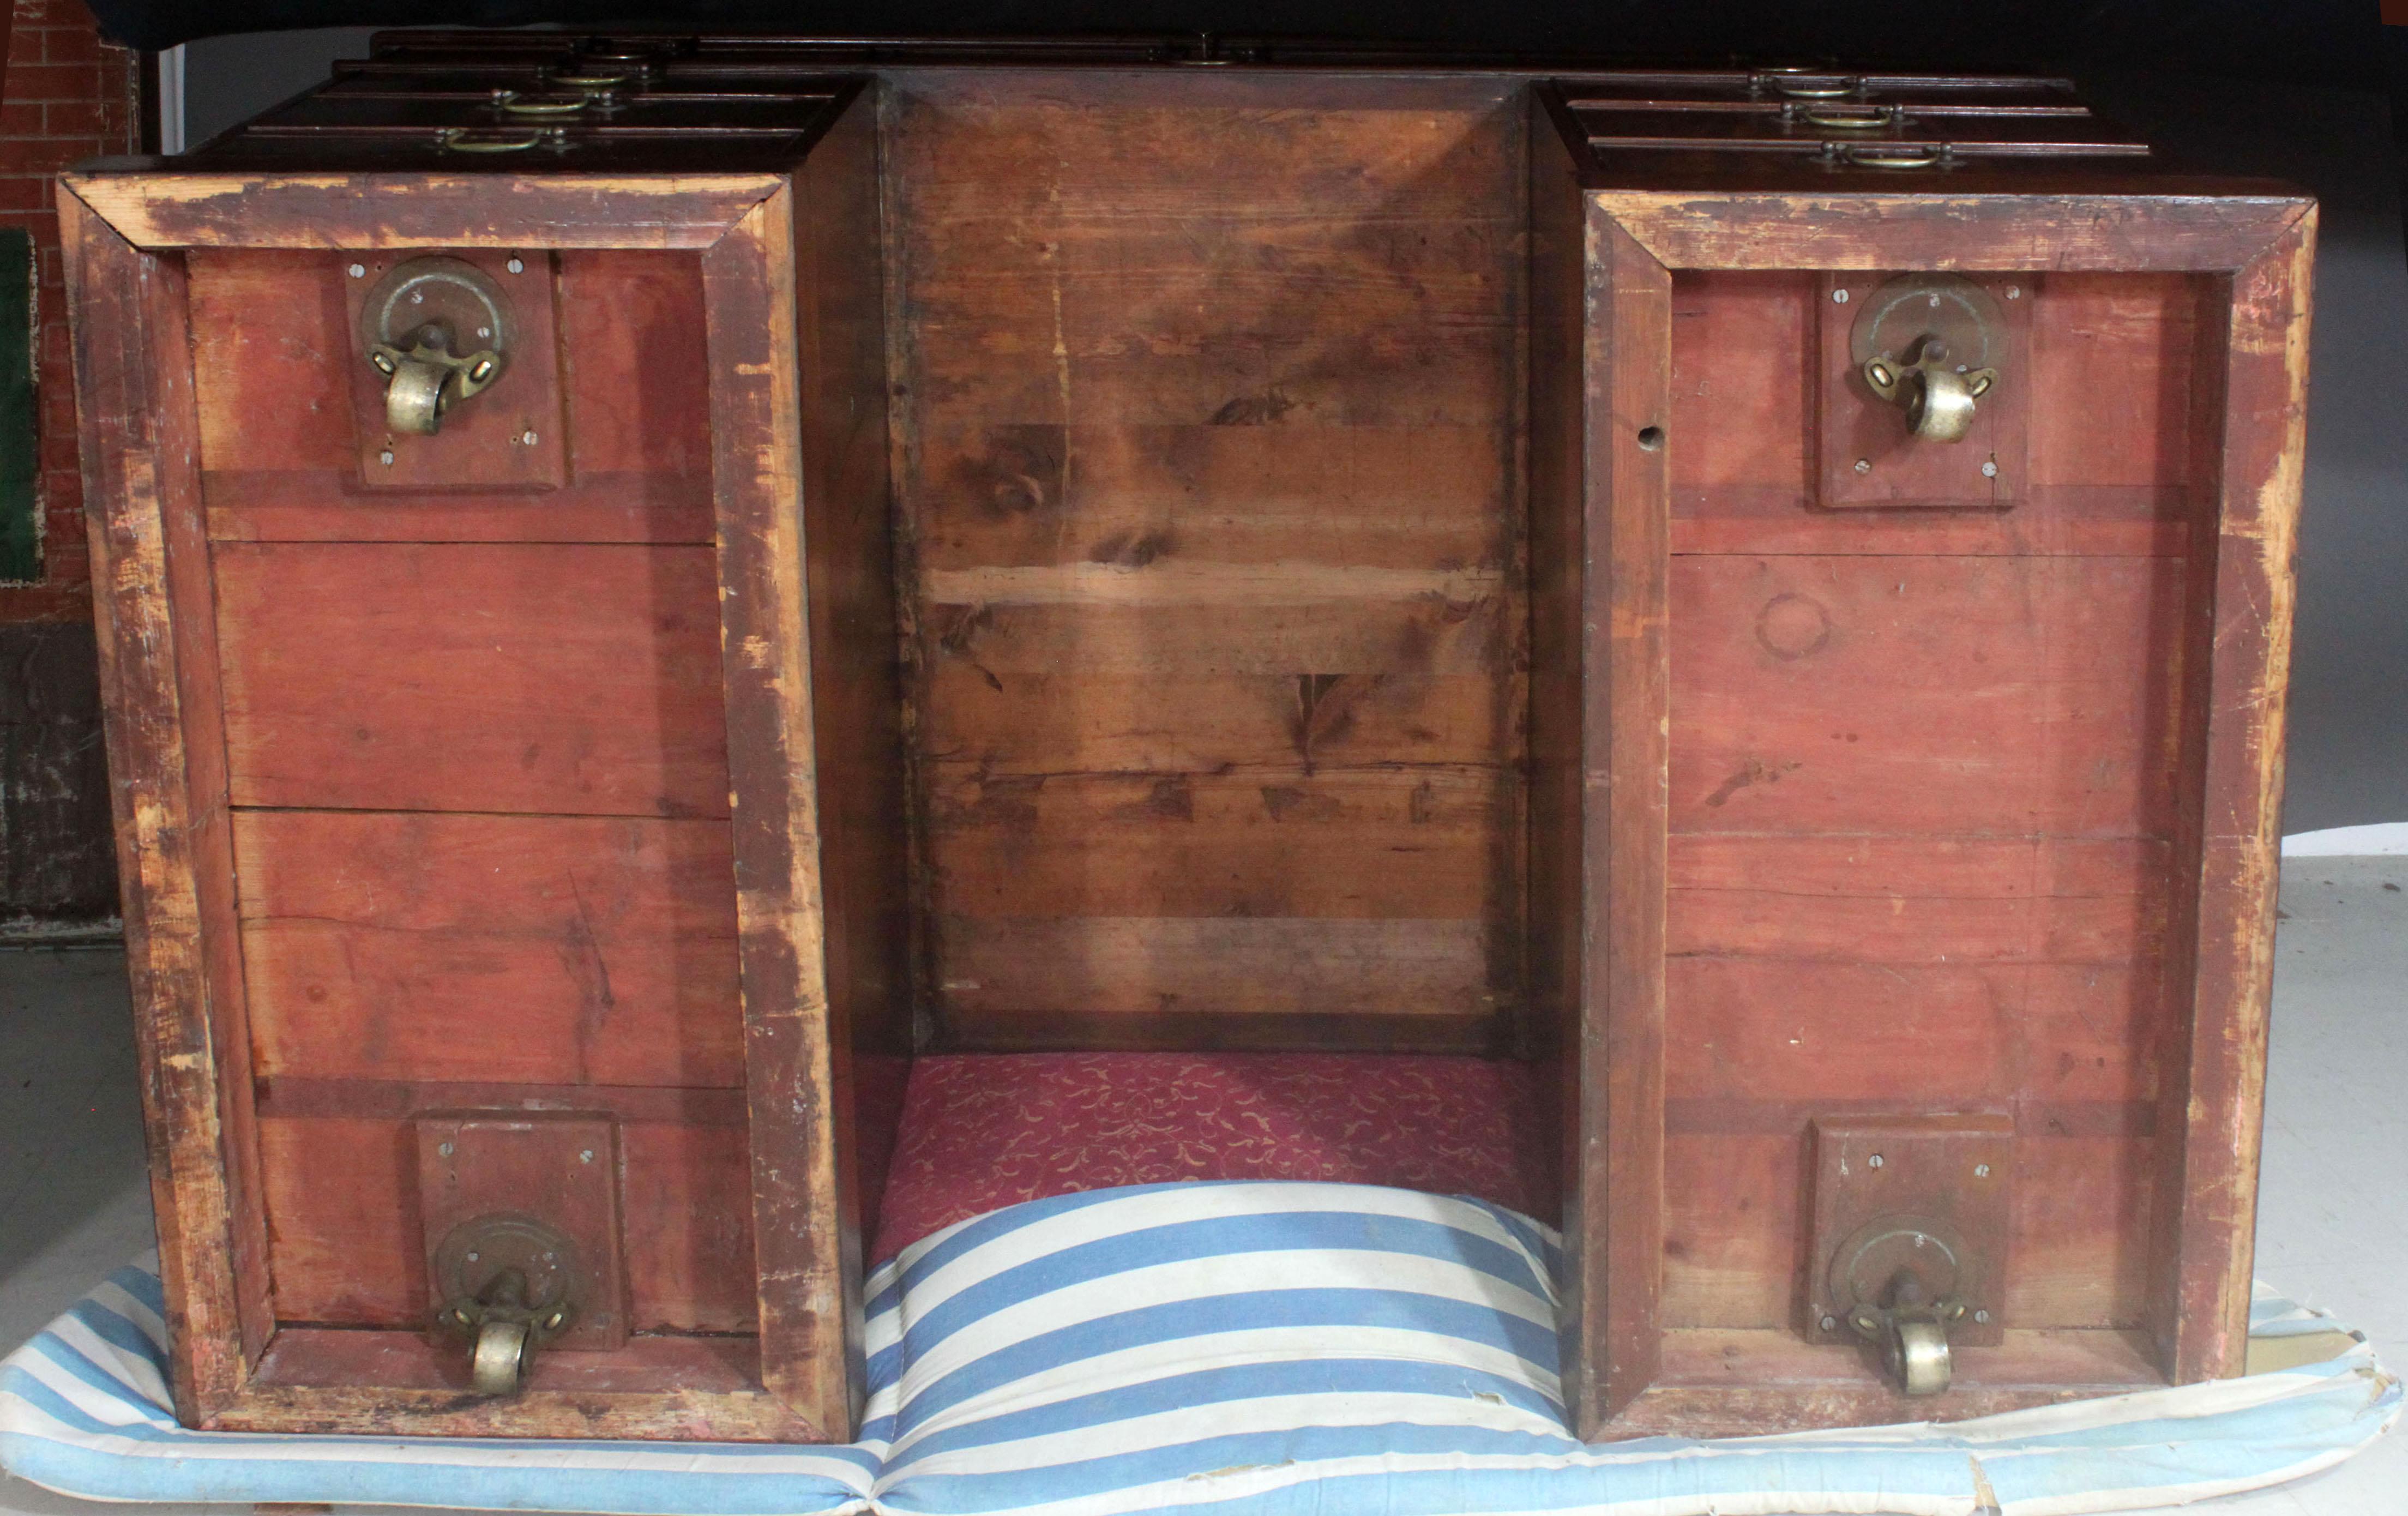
68	96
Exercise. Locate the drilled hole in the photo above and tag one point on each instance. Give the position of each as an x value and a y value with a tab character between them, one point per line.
1650	437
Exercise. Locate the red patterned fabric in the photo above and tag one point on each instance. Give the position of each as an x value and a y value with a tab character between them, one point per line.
983	1131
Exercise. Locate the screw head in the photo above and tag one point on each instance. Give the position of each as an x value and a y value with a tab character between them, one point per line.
586	1157
484	331
1990	468
358	271
1875	1162
516	266
472	1255
1864	465
1983	1317
1981	1171
385	457
1839	297
527	436
417	297
445	1149
2015	292
1830	1324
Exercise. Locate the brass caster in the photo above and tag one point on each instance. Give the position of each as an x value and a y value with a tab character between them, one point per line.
1916	1355
502	1354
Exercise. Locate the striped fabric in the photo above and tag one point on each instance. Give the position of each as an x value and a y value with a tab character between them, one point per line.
1240	1347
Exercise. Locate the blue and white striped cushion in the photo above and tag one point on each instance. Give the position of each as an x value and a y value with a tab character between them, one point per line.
1241	1348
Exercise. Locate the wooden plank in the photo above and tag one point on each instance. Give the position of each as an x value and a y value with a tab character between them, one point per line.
807	1247
1132	971
572	679
1435	637
497	948
169	766
856	627
419	210
343	1198
1629	406
368	1383
1948	1034
1339	846
2255	400
1875	899
1745	1383
1907	694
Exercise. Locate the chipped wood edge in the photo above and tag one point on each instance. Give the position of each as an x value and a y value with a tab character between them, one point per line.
2144	232
157	210
1625	811
134	473
806	1295
2237	688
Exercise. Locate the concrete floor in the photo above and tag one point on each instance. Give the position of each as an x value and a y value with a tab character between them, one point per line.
2332	1223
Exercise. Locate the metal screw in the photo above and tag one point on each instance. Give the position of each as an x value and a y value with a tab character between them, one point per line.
1864	465
1873	1162
1981	1171
1839	297
1935	302
2015	292
515	266
586	1157
385	457
1830	1324
528	437
417	297
1983	1317
472	1257
1990	468
484	331
359	271
445	1149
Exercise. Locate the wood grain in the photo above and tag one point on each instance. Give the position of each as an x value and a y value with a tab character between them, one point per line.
808	1258
168	774
493	949
277	459
568	680
2254	398
1209	505
342	1199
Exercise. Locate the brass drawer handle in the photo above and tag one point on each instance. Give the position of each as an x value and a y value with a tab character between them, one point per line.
460	139
607	80
1866	155
546	105
1849	118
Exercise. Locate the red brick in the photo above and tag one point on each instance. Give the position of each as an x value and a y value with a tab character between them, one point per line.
24	192
74	118
52	81
69	45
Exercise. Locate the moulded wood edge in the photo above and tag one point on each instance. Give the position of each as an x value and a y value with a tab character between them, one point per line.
2157	231
162	211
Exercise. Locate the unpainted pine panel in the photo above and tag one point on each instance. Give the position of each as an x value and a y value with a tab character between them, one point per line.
1346	846
1733	1229
1277	726
1143	967
1211	499
2108	471
571	680
274	356
1251	485
495	949
343	1225
1961	694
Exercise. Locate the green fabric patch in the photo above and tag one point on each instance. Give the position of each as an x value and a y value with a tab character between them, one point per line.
20	522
